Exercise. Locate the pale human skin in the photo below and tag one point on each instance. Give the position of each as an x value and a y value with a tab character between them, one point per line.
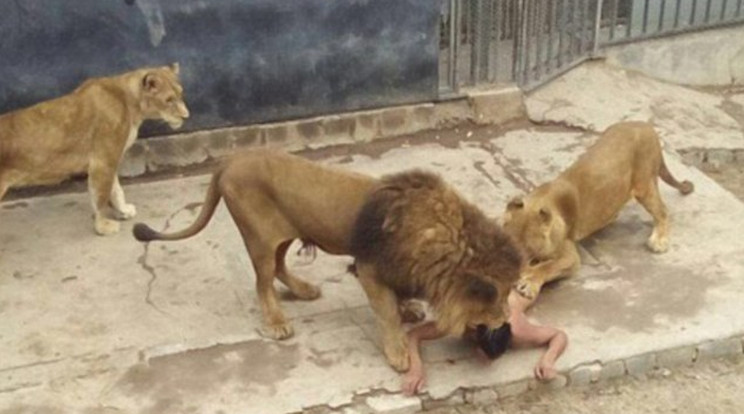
524	335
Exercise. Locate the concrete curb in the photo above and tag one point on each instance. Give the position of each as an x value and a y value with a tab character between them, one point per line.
165	153
381	401
713	157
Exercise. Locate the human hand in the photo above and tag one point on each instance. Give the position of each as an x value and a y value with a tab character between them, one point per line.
545	370
413	382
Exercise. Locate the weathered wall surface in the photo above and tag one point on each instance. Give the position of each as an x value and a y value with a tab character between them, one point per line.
242	61
713	57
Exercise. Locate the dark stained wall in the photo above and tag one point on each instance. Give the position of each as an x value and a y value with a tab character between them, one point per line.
242	61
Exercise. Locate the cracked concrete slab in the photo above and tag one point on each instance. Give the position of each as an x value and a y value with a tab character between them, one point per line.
596	95
110	325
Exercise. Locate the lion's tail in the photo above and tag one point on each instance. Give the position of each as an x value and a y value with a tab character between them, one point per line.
684	187
145	233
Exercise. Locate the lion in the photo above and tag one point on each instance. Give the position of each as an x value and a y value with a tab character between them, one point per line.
416	237
623	164
88	131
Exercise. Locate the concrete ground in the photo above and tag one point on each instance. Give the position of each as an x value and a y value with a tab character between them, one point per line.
108	325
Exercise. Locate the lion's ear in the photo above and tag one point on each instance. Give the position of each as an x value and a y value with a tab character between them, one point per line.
515	203
150	82
175	67
545	215
480	289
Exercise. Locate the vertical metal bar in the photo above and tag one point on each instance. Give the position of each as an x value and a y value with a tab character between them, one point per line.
738	8
527	18
587	26
579	27
551	29
456	22
570	29
486	28
561	15
451	61
676	14
629	22
597	27
707	11
493	68
692	12
517	35
613	18
723	10
661	16
473	29
645	16
539	26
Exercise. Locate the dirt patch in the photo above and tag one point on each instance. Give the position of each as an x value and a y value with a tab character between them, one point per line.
711	387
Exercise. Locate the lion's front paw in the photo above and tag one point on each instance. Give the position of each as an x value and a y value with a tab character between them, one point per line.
657	244
106	226
527	288
396	352
277	331
306	291
126	212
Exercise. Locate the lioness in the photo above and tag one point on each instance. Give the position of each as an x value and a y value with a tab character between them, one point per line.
623	164
417	237
88	130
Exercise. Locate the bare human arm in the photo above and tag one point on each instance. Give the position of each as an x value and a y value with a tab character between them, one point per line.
415	379
526	334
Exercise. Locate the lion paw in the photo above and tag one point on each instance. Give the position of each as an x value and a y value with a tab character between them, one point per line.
278	331
397	354
527	288
126	212
105	226
306	291
657	244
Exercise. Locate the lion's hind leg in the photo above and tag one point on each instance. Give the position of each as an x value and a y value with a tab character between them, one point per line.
299	288
262	243
124	210
650	199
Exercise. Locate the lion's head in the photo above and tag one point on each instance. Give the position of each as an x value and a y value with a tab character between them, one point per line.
162	96
472	301
537	226
425	240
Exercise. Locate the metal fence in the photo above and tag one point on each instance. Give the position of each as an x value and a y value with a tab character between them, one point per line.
532	41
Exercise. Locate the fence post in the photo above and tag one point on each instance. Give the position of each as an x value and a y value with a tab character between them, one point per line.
597	27
454	43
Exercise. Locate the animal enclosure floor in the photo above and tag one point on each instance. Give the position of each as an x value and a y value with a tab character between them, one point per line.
110	325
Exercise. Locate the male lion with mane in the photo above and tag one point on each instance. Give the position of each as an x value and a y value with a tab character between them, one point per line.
275	198
624	163
88	131
416	237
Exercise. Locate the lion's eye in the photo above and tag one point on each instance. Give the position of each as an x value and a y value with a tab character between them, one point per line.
170	100
535	261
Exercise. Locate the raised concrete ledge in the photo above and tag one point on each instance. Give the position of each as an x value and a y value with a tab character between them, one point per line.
380	401
493	106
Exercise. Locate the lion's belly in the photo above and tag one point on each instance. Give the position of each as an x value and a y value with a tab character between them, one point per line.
53	170
600	208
